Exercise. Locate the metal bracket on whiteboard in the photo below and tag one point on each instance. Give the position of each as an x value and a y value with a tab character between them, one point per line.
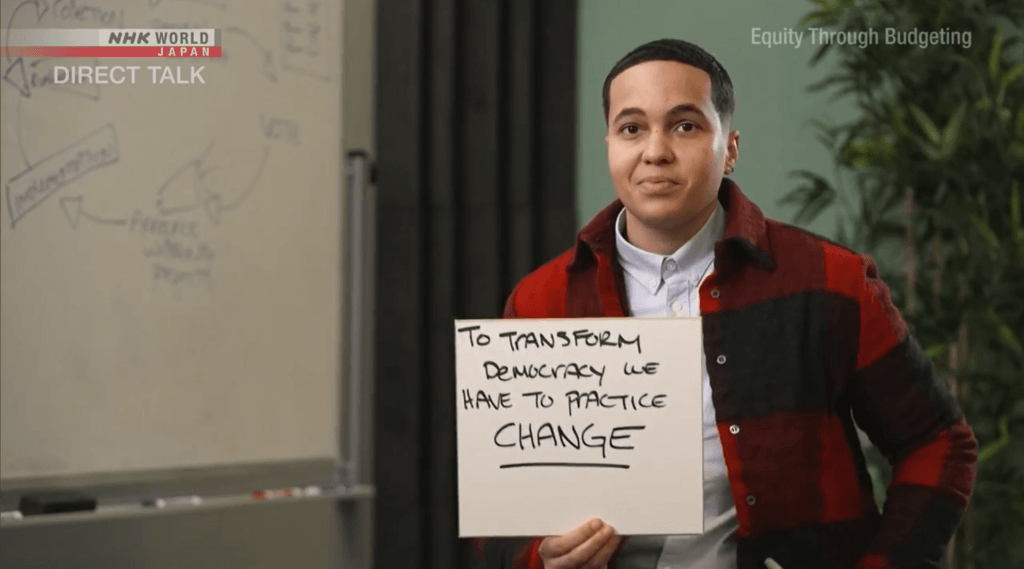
358	267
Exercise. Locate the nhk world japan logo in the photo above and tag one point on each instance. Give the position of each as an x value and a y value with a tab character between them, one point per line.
112	43
142	43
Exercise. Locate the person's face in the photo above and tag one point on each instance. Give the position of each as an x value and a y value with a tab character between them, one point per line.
667	146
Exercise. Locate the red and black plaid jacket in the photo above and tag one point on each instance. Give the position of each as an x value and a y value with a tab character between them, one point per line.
801	339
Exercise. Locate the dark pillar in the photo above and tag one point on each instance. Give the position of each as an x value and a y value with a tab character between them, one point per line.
476	135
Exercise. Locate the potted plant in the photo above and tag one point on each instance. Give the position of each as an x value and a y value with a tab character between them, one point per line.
929	175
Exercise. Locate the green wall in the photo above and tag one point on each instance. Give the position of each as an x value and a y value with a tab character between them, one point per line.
773	109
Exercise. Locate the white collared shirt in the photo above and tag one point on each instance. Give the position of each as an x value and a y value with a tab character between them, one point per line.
659	285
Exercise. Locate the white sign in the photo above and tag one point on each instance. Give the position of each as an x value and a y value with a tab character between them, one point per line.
560	421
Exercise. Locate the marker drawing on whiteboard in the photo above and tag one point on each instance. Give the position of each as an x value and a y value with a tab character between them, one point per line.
275	494
293	492
174	502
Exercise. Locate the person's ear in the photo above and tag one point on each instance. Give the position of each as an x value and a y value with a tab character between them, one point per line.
732	151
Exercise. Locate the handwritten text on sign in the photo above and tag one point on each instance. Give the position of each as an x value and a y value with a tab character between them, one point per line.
560	421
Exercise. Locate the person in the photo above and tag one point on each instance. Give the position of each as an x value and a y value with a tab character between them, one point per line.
800	340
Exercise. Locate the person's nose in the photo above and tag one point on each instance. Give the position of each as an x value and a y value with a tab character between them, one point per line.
658	149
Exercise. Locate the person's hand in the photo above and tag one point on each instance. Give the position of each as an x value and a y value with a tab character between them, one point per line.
771	564
588	546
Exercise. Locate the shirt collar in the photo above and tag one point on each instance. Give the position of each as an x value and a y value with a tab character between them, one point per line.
745	226
691	259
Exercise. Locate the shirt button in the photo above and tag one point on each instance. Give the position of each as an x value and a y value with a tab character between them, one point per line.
677	306
670	265
652	282
734	429
720	359
714	293
750	500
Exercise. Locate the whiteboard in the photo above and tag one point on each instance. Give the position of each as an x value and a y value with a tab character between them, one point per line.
169	292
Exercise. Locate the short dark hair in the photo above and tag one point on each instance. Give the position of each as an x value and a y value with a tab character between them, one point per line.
684	52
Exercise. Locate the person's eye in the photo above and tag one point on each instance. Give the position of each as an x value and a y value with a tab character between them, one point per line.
630	129
686	126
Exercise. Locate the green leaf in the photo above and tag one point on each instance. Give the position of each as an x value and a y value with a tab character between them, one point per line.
1006	333
988	451
824	133
820	53
926	124
874	151
929	150
1015	215
1018	410
829	81
952	131
986	231
812	198
983	104
935	351
842	236
819	18
1016	150
845	91
897	121
995	54
821	125
1015	207
941	192
1011	339
1011	75
967	62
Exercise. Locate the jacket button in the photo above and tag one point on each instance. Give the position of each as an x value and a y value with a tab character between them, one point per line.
734	429
750	500
714	293
720	360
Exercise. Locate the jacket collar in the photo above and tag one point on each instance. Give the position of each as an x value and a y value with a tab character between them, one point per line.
745	229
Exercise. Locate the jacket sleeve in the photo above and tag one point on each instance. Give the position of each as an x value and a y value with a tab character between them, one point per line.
509	553
909	413
510	306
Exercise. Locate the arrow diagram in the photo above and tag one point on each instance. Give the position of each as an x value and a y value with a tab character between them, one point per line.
39	73
41	8
72	206
15	75
210	3
25	191
17	116
180	192
193	186
268	57
214	204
